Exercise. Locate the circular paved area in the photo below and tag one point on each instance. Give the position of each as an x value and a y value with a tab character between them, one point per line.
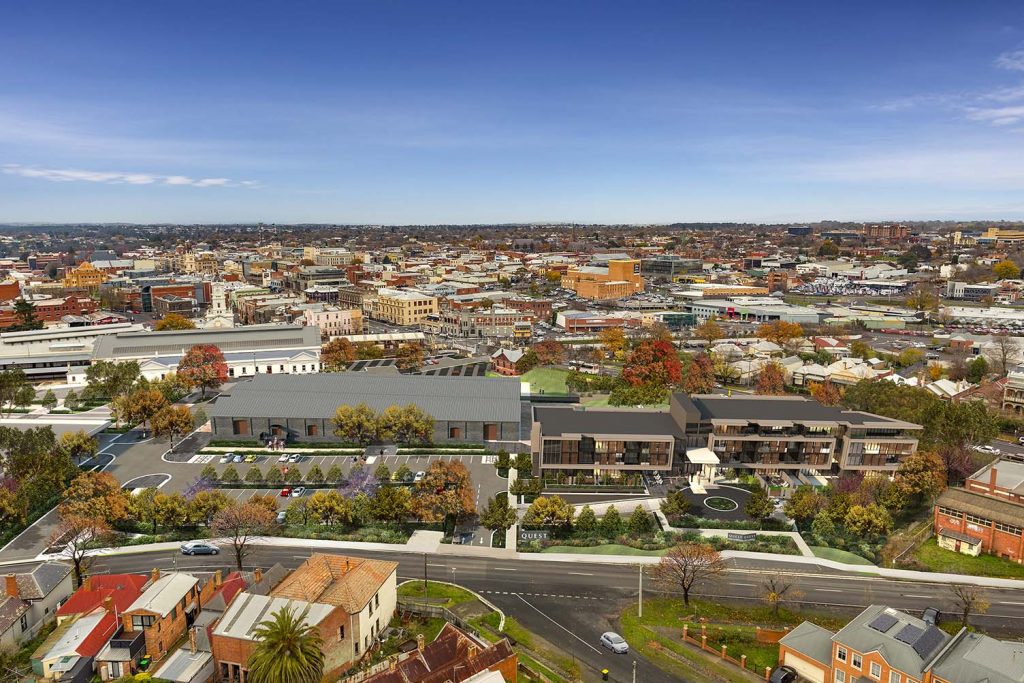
736	496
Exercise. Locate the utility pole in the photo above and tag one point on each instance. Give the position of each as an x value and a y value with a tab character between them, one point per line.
424	575
640	609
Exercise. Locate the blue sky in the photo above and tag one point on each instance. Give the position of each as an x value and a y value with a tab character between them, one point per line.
420	112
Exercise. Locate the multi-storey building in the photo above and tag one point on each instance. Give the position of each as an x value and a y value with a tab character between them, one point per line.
987	515
886	645
403	307
704	433
165	609
887	232
84	276
334	322
620	278
1013	391
51	310
668	266
483	322
969	291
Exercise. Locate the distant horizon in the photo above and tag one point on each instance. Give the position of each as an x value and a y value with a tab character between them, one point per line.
402	113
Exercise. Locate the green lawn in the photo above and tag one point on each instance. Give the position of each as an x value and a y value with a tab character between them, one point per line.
607	549
940	560
837	555
550	380
435	591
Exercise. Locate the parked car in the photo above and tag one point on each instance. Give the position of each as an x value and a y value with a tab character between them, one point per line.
251	457
226	458
419	476
614	642
285	493
783	674
294	457
199	548
931	615
238	458
991	450
284	457
298	491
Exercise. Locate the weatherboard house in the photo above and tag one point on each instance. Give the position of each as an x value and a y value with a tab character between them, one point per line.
301	408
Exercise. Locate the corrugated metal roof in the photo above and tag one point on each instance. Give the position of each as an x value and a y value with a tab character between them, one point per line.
473	399
144	344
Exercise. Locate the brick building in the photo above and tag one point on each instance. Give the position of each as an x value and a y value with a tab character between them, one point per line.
166	609
620	278
972	522
51	310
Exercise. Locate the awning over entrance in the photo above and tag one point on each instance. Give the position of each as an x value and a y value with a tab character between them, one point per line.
702	456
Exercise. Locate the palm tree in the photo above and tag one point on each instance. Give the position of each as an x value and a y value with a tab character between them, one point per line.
287	650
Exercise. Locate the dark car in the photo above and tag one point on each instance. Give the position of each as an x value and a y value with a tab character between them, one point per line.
783	674
931	616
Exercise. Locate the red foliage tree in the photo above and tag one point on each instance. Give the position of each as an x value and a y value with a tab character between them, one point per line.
203	366
700	375
549	352
653	362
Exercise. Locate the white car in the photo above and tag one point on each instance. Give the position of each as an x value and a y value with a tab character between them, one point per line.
283	457
614	642
419	476
991	450
227	457
298	491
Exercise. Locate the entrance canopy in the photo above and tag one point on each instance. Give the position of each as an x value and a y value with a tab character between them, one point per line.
702	456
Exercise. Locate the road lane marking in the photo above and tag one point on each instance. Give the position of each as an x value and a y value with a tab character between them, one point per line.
527	602
579	574
827	590
734	583
919	597
1019	604
504	569
436	565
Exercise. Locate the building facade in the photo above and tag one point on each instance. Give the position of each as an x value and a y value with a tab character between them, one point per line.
619	279
403	307
335	322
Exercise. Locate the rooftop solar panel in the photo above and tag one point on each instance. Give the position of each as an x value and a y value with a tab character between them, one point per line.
928	641
883	622
909	634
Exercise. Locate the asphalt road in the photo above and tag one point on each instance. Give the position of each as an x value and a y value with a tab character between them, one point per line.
572	603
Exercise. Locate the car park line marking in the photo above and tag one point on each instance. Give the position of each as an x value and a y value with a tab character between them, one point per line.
527	602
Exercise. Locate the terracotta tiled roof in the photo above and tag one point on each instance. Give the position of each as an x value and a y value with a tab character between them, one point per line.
338	580
453	655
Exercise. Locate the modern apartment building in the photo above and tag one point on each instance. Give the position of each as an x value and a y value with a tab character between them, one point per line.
885	645
620	278
704	433
403	307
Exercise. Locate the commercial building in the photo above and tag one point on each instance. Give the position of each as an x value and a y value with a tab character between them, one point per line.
886	645
886	232
51	310
620	278
403	307
54	352
753	309
702	434
575	322
483	322
969	291
668	266
987	515
168	304
84	276
248	351
333	321
467	409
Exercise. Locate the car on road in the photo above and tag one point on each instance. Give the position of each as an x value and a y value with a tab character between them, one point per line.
199	548
783	674
419	476
614	642
1020	440
298	491
238	458
285	493
991	450
251	457
294	457
227	457
284	457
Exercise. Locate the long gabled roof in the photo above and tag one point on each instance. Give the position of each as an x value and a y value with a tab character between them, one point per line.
347	582
253	338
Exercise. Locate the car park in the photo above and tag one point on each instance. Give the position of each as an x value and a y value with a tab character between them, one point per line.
614	642
284	457
251	457
226	458
238	458
199	548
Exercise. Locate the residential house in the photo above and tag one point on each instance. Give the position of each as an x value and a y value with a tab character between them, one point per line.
67	654
454	656
886	645
504	361
166	609
30	600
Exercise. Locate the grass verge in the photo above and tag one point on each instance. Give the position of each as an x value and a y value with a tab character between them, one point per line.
938	559
440	594
837	555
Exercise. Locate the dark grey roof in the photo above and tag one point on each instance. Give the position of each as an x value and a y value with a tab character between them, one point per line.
793	408
143	344
555	421
473	399
11	610
911	658
812	641
976	658
41	581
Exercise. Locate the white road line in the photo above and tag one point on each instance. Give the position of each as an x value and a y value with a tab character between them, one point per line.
920	597
1012	603
742	584
558	625
579	574
504	569
437	565
829	590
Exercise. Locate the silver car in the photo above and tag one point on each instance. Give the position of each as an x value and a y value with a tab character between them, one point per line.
614	642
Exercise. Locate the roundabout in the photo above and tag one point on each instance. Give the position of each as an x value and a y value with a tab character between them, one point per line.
721	503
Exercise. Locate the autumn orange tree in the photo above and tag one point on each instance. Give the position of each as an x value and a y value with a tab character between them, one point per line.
699	377
98	495
77	535
549	352
709	330
653	363
687	566
337	353
445	491
780	332
826	393
203	367
770	380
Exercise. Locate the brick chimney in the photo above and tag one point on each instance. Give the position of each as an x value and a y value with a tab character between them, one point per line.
217	579
154	575
993	474
12	585
420	643
472	651
108	604
192	640
257	575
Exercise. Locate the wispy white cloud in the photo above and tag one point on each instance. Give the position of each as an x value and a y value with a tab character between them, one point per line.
997	116
1012	60
990	169
70	175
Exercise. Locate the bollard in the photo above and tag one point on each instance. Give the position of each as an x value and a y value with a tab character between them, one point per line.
604	674
743	661
724	648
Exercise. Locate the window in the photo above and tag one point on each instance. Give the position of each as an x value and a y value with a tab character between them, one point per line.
356	646
376	599
841	654
24	622
341	632
894	677
454	432
858	662
876	670
840	676
141	621
312	430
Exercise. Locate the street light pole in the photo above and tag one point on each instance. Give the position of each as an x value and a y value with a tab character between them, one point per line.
634	671
640	609
424	575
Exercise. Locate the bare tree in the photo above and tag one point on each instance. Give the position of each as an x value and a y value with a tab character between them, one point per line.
1005	352
241	525
688	565
77	535
776	590
969	600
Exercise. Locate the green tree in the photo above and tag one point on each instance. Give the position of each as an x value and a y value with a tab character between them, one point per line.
230	475
288	650
977	369
391	504
868	520
524	464
49	399
357	424
640	522
498	514
274	476
25	311
71	400
759	506
293	475
1006	270
78	446
382	473
922	474
804	504
586	522
14	388
174	321
315	475
676	503
611	523
528	361
403	473
209	472
110	379
503	461
823	528
253	475
334	474
549	511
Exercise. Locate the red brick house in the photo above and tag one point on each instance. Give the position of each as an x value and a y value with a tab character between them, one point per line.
504	361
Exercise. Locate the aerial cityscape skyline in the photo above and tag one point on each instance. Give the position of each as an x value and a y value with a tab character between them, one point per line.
593	112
